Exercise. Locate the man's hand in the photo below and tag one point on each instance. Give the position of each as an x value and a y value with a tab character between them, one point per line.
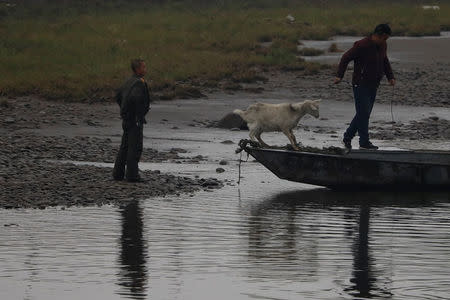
337	80
392	82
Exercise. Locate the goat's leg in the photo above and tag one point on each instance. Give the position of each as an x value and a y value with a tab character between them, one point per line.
258	136
291	139
252	135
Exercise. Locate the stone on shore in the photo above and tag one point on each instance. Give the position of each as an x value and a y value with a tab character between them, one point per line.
232	120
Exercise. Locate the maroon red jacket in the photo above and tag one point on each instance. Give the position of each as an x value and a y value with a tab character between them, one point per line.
370	63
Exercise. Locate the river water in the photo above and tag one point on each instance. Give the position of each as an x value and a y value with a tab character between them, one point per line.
267	239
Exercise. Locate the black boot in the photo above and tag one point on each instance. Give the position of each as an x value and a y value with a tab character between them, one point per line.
347	143
368	146
136	179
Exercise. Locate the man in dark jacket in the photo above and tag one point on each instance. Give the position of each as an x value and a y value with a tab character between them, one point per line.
370	65
134	101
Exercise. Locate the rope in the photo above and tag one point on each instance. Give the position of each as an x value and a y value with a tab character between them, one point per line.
243	146
392	100
240	161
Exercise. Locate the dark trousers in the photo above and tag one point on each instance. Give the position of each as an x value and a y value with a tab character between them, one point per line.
130	152
364	99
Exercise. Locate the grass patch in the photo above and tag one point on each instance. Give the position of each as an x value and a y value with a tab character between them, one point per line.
82	52
310	52
264	38
334	48
181	91
4	103
248	76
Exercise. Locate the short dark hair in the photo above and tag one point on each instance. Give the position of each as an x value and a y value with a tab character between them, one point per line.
135	63
382	29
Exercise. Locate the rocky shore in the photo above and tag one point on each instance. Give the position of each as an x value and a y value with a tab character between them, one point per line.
31	183
36	169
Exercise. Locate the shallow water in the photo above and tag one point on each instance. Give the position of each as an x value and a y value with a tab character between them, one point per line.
268	239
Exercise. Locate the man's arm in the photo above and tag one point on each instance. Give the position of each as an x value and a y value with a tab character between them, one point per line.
149	98
118	97
348	56
125	104
127	93
139	99
387	66
388	71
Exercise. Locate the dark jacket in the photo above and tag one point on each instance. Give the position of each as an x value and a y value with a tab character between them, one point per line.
370	63
134	100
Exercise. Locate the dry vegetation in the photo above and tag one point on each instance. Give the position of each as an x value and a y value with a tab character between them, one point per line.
82	54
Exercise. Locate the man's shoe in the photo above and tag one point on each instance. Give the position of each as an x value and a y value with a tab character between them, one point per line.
137	179
368	146
117	175
347	143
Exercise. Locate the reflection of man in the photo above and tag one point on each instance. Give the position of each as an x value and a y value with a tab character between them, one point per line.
133	275
370	64
362	274
134	101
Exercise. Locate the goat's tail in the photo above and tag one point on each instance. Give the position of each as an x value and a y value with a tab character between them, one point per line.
239	112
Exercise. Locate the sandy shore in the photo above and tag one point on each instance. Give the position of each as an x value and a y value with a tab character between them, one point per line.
52	153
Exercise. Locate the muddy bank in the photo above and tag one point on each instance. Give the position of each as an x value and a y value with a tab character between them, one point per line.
31	175
432	128
33	112
26	183
80	148
425	85
34	170
301	148
421	67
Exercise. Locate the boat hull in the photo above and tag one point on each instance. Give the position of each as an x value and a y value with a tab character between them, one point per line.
359	170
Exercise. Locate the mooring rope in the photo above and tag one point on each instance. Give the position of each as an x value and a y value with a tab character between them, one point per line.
240	161
242	146
392	100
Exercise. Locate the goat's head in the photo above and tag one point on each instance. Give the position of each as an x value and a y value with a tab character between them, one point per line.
307	107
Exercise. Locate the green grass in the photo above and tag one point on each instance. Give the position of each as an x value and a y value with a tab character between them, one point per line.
75	55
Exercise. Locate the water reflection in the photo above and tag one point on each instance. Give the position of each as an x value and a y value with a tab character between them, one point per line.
278	246
364	277
326	198
314	244
133	253
362	273
281	242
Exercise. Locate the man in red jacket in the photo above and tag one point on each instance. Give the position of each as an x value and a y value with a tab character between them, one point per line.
370	65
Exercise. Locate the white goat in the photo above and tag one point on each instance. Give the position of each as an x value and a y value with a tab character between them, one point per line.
284	117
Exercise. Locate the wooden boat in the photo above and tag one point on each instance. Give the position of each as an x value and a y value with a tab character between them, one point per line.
387	169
